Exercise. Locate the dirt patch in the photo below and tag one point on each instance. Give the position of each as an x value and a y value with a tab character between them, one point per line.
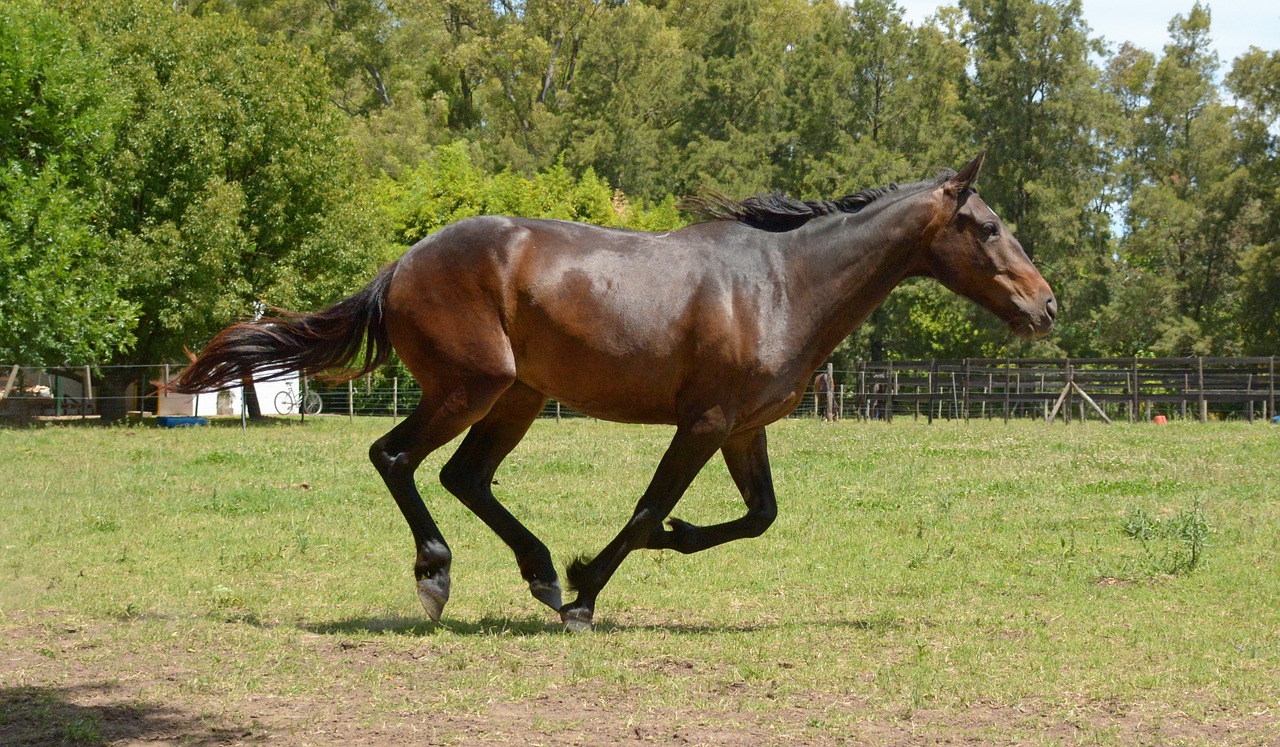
83	683
100	713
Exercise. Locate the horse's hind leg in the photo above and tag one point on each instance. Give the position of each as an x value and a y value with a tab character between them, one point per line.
747	456
443	413
469	475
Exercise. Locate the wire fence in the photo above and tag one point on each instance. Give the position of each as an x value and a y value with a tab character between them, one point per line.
1109	389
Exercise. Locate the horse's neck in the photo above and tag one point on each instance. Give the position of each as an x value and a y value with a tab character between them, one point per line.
844	266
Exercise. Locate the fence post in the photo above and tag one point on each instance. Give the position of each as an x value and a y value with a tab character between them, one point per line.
864	407
966	390
891	385
1066	413
1133	390
351	401
88	393
1271	382
955	399
1008	372
933	370
1044	403
13	379
395	399
1249	389
1204	404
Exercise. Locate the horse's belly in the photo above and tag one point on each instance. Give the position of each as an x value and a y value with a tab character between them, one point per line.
628	391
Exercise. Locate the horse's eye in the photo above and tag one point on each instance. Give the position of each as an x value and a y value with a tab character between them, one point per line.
989	229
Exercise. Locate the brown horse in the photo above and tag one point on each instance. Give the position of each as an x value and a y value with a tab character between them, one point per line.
824	397
714	329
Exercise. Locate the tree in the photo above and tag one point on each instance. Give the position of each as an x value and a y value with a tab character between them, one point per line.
230	181
1188	196
847	100
628	101
386	64
1255	81
58	109
1033	100
730	129
449	186
1035	104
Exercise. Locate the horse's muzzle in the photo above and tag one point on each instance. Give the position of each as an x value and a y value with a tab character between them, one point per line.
1037	315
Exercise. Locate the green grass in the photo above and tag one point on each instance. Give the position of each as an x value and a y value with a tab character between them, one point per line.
993	581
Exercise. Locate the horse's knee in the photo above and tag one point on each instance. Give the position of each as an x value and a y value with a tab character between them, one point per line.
380	458
644	522
760	520
459	479
392	467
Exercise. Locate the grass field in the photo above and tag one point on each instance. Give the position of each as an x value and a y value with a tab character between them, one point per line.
945	584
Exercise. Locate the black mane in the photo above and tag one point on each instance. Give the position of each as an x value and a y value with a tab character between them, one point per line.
780	212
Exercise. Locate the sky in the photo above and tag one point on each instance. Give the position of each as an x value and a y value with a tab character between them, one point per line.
1236	24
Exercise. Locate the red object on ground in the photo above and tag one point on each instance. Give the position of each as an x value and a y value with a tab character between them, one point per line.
1160	420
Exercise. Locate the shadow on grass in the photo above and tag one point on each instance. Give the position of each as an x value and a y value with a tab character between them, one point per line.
416	626
547	625
530	625
37	716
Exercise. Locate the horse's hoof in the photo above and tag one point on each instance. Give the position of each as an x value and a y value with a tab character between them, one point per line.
577	620
547	593
433	593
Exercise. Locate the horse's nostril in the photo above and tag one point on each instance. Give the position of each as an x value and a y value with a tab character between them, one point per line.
1051	307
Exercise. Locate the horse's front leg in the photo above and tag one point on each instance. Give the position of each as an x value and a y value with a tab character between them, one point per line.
690	449
469	475
747	456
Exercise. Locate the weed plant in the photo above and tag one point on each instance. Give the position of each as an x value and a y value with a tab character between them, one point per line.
1184	534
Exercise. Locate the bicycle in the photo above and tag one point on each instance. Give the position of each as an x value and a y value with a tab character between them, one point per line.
287	404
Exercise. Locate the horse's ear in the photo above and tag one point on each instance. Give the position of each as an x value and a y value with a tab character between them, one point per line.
967	176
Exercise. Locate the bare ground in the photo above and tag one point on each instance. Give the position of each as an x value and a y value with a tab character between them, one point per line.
60	685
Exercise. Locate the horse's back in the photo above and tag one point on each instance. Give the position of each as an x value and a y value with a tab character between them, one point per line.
612	322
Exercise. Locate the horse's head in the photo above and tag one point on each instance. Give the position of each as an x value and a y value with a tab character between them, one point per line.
975	255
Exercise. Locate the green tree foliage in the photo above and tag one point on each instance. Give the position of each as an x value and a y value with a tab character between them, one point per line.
729	125
230	179
847	103
628	101
448	186
1186	198
1255	81
168	163
58	113
1034	100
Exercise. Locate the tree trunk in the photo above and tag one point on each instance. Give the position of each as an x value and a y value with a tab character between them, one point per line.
250	394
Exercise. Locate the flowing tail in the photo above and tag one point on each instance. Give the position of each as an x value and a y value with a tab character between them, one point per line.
302	343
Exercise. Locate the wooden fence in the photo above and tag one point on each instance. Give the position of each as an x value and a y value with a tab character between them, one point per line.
1118	388
1110	388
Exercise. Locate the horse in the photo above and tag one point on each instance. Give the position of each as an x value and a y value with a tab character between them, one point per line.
824	397
714	329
